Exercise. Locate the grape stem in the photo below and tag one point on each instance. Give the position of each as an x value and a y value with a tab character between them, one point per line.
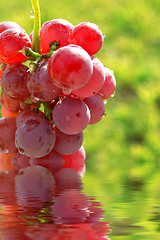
37	26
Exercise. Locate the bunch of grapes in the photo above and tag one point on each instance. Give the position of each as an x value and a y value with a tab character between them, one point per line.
49	97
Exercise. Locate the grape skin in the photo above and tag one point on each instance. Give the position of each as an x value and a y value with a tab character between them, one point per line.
14	81
53	161
40	85
54	30
109	85
67	144
9	25
12	42
95	83
20	161
87	35
35	137
97	108
70	67
71	116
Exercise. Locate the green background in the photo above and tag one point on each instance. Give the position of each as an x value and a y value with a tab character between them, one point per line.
123	149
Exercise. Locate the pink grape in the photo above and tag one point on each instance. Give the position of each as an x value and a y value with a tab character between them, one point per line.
20	161
97	108
67	144
55	30
35	137
14	81
70	207
71	116
109	85
95	83
70	67
53	161
7	135
40	85
87	35
67	178
34	185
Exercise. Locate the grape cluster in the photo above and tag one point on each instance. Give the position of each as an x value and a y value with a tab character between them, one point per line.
49	98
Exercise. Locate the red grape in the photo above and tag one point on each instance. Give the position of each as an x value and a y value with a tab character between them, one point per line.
88	36
35	137
95	83
53	161
70	67
71	116
9	25
67	144
76	161
20	161
7	136
97	108
40	85
55	30
109	85
14	81
12	42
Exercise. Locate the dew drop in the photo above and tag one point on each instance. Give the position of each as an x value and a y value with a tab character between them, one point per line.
32	14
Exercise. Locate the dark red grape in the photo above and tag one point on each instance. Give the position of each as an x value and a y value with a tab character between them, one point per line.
71	116
40	85
14	81
35	137
67	144
97	108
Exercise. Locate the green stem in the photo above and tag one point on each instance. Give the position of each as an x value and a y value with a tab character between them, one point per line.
37	26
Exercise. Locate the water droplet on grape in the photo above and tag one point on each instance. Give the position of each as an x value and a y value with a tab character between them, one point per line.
66	91
104	35
32	14
67	118
113	94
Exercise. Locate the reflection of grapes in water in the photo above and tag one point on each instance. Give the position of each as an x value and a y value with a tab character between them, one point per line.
34	185
70	207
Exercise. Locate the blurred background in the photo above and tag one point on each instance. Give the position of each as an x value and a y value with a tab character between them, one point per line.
123	149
